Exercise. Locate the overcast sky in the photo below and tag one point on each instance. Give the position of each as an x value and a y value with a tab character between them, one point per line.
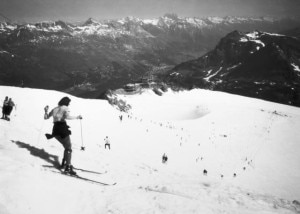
80	10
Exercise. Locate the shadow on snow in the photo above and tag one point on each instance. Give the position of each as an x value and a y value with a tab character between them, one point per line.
40	153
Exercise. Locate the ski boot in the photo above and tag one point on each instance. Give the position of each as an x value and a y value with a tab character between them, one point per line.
69	170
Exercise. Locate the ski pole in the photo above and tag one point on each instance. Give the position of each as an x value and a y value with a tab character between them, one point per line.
82	147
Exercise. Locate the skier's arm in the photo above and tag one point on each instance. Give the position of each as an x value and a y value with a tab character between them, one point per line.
69	117
46	115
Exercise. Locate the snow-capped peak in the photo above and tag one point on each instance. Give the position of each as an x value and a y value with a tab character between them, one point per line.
91	21
253	37
215	19
5	25
151	21
129	19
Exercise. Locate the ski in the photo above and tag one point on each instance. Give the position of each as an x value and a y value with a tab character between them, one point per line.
85	179
59	171
79	169
88	179
89	171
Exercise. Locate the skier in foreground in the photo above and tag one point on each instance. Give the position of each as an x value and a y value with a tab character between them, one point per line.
61	131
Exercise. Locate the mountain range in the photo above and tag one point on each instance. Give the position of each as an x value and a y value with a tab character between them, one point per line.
255	64
86	59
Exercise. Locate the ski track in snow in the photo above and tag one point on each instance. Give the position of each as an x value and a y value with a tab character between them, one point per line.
222	133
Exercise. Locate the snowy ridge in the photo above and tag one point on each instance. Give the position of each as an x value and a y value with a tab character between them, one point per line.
203	22
258	141
254	37
212	75
296	67
116	29
5	27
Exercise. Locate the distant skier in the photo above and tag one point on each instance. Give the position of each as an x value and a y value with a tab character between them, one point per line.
107	143
9	107
164	158
61	131
4	108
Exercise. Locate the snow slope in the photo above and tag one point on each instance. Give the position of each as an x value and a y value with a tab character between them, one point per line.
222	133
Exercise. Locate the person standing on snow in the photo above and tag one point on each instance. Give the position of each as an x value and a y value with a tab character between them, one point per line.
9	107
4	108
61	131
107	143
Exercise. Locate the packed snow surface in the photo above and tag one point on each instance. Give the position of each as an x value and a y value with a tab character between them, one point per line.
249	148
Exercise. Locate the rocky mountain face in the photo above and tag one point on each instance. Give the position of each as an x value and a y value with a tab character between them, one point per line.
87	59
256	64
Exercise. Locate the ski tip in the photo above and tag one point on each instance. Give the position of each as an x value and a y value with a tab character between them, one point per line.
110	184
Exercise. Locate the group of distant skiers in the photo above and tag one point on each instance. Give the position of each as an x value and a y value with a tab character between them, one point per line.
60	130
7	108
